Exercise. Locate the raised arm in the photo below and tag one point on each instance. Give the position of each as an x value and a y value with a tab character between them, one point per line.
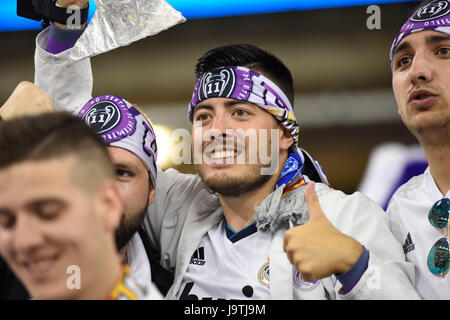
67	82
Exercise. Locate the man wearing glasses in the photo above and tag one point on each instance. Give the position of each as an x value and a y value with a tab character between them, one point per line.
419	210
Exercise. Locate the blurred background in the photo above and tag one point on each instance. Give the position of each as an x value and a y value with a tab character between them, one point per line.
342	77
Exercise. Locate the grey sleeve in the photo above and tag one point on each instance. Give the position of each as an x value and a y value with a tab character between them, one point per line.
389	275
67	83
174	200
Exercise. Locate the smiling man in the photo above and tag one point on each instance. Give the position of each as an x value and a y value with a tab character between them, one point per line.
243	245
223	230
134	172
418	212
59	208
224	166
133	153
134	158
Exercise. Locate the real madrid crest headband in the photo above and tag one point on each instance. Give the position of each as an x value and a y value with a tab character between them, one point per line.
434	16
244	84
122	125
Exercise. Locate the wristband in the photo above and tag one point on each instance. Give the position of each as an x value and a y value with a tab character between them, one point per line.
54	13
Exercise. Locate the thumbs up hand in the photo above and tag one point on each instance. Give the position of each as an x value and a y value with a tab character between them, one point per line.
317	249
78	3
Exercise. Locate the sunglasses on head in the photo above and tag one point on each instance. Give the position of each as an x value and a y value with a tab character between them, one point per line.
439	256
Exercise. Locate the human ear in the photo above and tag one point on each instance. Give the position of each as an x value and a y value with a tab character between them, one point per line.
109	204
286	139
151	196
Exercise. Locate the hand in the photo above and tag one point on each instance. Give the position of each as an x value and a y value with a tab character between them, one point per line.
78	3
26	99
317	249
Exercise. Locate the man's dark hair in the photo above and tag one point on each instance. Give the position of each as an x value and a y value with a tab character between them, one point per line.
56	135
252	57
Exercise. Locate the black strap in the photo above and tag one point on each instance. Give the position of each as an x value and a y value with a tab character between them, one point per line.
309	169
10	287
51	12
161	277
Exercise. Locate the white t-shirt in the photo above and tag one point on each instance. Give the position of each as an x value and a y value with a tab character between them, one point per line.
236	265
407	216
137	259
229	265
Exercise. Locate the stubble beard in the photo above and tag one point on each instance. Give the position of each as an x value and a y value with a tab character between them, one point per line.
234	186
129	225
435	131
252	177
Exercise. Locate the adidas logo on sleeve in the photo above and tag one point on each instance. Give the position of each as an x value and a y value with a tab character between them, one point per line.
198	258
409	245
228	265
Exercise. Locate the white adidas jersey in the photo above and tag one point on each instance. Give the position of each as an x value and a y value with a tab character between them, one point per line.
229	265
408	219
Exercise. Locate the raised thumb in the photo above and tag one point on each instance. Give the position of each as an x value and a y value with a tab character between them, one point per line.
315	211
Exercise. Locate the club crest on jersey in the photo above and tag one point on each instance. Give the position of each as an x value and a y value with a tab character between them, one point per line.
217	83
302	284
264	274
433	10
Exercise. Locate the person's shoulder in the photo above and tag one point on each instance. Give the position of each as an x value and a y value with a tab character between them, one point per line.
132	289
338	201
411	190
408	188
326	191
172	174
151	292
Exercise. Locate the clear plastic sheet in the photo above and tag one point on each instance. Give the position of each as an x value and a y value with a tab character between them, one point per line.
118	23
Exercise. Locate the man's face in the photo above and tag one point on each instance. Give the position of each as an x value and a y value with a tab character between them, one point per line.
47	224
238	140
135	189
421	81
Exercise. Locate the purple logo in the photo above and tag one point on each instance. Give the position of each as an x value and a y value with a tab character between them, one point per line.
102	117
302	284
109	117
433	10
217	83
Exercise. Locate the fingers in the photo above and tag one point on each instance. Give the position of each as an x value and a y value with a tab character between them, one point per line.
311	197
67	3
316	213
298	254
287	246
26	99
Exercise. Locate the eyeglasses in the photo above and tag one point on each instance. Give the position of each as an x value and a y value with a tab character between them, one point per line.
439	256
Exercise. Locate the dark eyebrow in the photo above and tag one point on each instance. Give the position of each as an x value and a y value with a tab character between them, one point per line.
229	103
404	46
429	40
125	166
202	106
436	38
36	204
234	102
5	211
